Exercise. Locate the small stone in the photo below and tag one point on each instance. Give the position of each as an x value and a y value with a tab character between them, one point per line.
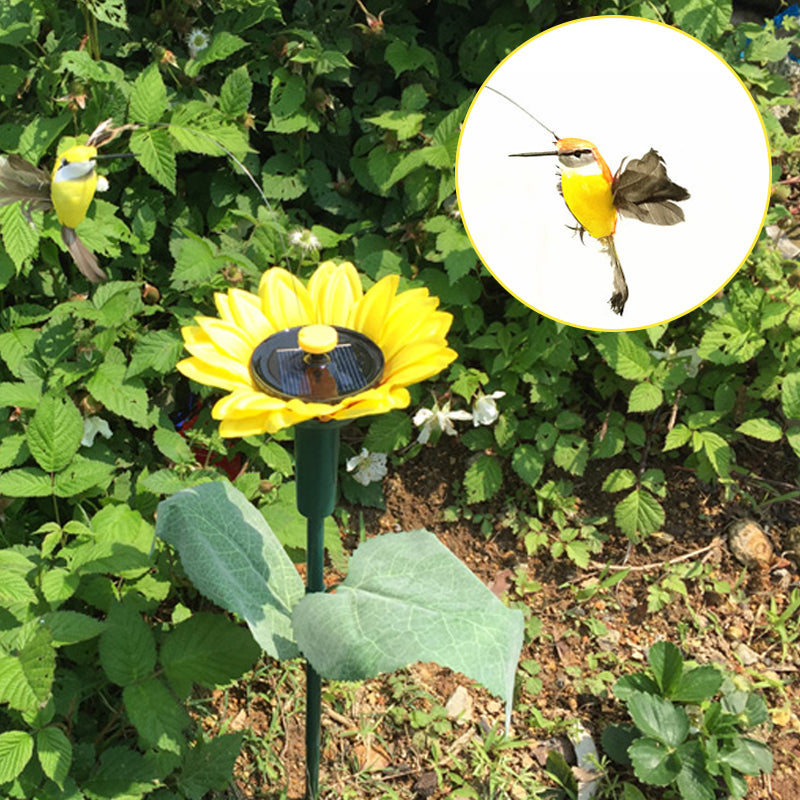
459	706
749	544
746	655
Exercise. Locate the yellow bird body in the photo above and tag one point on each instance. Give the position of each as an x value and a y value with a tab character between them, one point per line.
73	184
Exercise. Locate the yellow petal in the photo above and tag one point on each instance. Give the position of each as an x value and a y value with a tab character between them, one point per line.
227	337
248	316
418	362
334	290
370	314
246	403
285	302
407	328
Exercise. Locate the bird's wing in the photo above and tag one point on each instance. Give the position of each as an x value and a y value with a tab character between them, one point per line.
105	132
642	189
21	181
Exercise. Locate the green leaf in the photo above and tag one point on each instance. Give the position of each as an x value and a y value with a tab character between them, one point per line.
405	57
156	351
223	44
38	661
173	446
677	437
717	450
16	749
208	765
388	432
653	762
26	482
54	751
790	395
618	480
483	479
68	627
748	756
81	475
693	781
127	647
127	398
528	462
407	598
54	434
236	92
571	453
122	774
698	684
148	100
24	395
558	769
616	740
153	150
233	557
196	261
405	123
20	240
645	397
658	719
639	514
705	19
767	430
667	664
635	682
626	354
15	589
209	650
155	714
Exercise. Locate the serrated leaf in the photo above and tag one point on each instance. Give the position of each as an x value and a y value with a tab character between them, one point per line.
232	556
15	589
16	393
626	354
388	432
767	430
407	598
54	433
153	150
528	462
16	749
68	627
666	662
618	480
236	92
54	751
195	262
111	12
127	648
127	398
209	650
155	714
82	475
639	514
571	453
705	19
173	446
208	765
223	44
38	661
148	100
645	397
405	123
698	684
790	396
658	718
718	452
20	240
483	479
26	482
748	756
677	437
653	762
122	774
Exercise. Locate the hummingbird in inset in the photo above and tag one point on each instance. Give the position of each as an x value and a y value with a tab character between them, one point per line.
640	189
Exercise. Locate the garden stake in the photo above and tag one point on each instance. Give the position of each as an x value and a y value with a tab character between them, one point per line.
316	448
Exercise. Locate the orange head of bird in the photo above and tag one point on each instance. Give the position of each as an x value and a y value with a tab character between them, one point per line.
576	154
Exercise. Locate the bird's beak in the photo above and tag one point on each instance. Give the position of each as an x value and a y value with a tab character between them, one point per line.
526	155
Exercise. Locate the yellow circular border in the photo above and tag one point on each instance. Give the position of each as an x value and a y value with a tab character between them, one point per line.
769	174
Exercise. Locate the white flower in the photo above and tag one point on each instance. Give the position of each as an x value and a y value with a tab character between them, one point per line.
367	467
437	419
304	239
91	427
196	40
484	408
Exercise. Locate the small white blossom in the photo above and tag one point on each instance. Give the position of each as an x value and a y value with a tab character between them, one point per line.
429	420
484	408
196	40
367	467
304	239
91	427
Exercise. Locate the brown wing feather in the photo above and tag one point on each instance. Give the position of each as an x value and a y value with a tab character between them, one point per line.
84	259
642	189
20	180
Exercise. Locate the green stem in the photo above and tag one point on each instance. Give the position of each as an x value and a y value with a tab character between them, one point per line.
316	452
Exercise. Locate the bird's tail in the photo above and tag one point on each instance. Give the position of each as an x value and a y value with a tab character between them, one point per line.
620	295
83	257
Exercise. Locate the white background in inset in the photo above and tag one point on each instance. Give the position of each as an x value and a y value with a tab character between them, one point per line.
626	85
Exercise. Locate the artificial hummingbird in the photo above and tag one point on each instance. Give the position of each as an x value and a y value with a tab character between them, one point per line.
68	190
640	189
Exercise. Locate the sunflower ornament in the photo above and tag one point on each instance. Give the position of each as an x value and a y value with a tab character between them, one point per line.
326	351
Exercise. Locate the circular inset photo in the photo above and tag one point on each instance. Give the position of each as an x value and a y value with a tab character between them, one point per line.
613	173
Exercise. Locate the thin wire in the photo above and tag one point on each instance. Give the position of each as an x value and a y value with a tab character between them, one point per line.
524	111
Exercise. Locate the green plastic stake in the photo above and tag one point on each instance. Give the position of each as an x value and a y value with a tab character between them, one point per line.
316	452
